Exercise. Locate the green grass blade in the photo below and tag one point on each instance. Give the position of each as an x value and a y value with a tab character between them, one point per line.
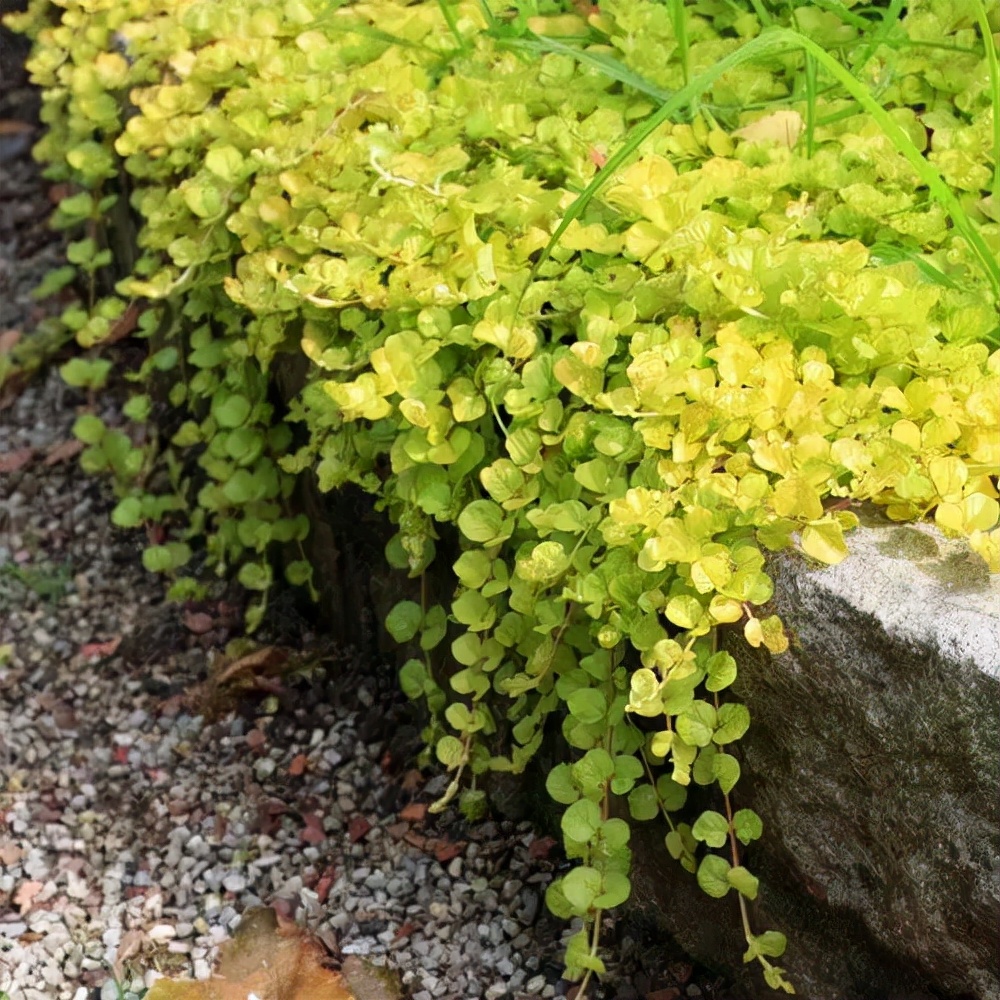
608	65
994	66
811	88
678	11
449	16
890	17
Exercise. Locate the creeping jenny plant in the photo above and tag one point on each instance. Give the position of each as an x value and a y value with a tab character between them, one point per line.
628	296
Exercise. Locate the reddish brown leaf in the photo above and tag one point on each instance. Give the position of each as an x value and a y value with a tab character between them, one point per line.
8	338
540	848
447	850
11	461
25	893
405	930
312	832
397	830
59	191
198	622
298	765
62	452
414	812
120	755
357	828
415	840
99	650
667	993
325	883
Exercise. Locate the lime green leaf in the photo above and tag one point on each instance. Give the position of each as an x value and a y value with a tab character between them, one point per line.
747	825
403	621
713	875
712	828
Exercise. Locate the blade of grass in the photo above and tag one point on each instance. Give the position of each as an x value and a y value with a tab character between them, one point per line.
994	66
606	64
890	17
776	40
811	74
678	12
449	16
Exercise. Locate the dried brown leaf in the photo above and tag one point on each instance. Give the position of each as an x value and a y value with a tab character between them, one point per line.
63	451
12	461
268	957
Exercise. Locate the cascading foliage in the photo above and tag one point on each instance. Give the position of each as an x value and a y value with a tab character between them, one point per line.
629	295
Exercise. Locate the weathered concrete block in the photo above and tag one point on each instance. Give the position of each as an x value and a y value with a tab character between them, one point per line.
874	760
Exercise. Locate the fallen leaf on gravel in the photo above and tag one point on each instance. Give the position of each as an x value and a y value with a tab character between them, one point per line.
11	461
99	650
26	892
8	338
120	755
129	946
447	850
268	958
10	854
668	993
10	127
324	885
540	848
313	832
414	812
198	622
357	828
63	452
398	830
405	930
298	765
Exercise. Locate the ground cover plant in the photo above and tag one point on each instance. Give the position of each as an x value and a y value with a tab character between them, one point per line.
620	296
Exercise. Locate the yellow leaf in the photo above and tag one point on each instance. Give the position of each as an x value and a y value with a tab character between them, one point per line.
950	516
981	512
796	497
753	632
906	432
949	475
987	544
773	634
725	609
824	540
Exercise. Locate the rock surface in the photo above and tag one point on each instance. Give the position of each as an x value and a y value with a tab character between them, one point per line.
874	760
